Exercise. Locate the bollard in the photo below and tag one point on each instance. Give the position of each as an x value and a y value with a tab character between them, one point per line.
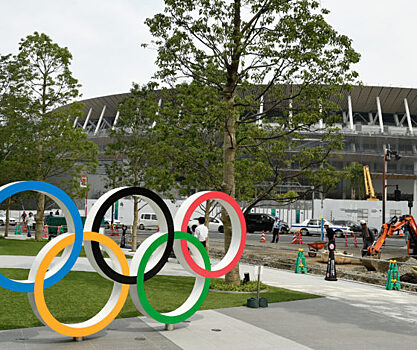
346	240
331	264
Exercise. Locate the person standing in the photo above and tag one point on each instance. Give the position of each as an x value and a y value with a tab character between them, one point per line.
201	231
276	228
30	222
330	233
368	237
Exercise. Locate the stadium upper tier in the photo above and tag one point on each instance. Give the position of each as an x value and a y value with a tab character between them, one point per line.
369	110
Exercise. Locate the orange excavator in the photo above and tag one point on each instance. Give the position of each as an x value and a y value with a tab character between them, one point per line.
405	222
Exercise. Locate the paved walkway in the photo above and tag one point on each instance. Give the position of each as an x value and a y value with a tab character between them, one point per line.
350	316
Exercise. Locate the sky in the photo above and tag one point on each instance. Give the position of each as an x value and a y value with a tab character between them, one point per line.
104	37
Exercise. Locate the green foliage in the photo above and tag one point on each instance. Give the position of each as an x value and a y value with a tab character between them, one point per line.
355	177
251	286
275	62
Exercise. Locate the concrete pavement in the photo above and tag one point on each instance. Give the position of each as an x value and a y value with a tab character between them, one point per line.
350	316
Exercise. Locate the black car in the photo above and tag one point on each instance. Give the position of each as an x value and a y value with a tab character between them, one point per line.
353	226
262	222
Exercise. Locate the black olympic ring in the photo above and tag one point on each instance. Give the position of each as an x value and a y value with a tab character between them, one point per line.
95	246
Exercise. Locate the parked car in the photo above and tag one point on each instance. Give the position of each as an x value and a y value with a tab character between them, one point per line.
148	221
353	226
214	225
12	221
259	222
313	227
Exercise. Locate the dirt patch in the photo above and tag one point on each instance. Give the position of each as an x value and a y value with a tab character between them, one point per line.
284	258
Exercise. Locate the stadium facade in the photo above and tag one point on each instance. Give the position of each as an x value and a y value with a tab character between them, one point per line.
372	119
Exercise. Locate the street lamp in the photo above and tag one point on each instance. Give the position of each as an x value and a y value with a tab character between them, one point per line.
388	155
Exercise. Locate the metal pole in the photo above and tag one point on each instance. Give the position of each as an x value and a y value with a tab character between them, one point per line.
383	185
259	281
312	204
86	196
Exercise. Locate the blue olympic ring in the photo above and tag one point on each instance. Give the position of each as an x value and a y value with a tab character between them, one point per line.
59	196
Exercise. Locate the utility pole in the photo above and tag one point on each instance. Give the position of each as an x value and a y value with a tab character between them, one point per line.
384	185
387	157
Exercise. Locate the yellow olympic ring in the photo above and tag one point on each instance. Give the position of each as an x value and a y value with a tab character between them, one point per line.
109	311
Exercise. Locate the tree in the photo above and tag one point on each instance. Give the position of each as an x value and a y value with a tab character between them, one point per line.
354	176
13	127
278	54
56	148
131	141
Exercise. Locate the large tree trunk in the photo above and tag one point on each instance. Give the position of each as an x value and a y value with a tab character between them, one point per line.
39	216
135	222
228	185
6	228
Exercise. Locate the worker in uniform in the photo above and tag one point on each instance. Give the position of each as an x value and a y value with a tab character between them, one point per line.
368	237
330	233
276	228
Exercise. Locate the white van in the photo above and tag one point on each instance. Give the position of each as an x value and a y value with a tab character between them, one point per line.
148	221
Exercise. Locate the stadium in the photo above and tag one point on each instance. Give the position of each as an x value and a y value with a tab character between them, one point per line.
372	118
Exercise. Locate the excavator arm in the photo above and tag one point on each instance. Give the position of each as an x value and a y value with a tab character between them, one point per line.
388	229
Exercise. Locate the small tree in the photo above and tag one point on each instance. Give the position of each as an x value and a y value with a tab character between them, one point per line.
131	143
56	148
354	176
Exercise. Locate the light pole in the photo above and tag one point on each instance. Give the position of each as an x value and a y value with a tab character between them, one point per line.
386	158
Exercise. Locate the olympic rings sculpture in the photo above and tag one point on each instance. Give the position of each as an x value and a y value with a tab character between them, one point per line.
148	260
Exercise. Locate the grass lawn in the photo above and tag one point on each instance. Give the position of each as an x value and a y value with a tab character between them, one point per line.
80	295
28	247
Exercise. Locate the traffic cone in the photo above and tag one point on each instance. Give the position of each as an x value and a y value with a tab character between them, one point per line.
300	237
294	238
346	240
18	229
300	264
45	232
356	241
263	240
393	278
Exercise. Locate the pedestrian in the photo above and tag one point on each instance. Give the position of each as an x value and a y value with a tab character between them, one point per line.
368	237
30	223
330	233
276	228
23	216
123	240
201	231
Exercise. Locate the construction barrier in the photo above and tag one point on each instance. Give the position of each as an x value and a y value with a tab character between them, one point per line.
297	238
294	238
300	264
393	278
263	240
300	237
